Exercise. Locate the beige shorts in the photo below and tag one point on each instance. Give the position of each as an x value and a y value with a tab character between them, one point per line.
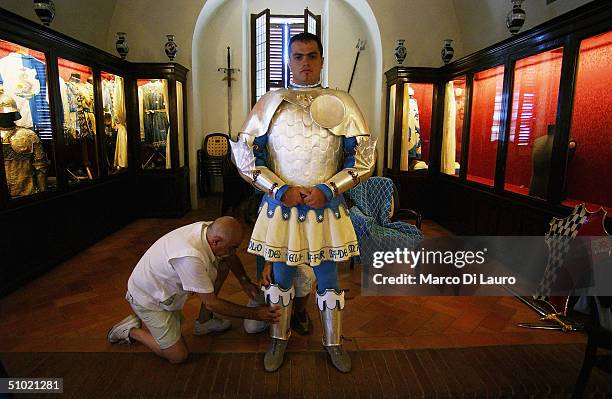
164	325
302	282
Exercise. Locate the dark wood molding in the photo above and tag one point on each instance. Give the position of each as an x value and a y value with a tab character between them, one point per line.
467	120
412	74
584	17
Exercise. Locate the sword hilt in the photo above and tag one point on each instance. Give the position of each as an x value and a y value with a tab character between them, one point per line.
565	327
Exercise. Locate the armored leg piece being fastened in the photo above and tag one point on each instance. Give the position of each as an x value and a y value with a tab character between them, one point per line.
330	305
279	332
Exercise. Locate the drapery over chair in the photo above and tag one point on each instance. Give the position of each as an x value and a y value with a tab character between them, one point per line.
376	212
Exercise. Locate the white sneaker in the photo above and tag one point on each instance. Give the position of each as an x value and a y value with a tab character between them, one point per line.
213	325
255	326
120	332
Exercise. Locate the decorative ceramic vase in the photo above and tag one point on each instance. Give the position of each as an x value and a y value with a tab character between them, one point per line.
516	17
121	45
447	51
400	51
171	48
45	10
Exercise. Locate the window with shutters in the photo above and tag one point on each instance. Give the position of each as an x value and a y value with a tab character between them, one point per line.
270	35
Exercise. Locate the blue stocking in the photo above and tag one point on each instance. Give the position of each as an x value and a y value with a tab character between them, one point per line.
327	276
283	274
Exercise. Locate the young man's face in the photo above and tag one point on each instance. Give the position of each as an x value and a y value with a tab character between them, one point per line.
305	62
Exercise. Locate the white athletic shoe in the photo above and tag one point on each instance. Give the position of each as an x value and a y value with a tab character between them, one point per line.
255	326
213	325
120	332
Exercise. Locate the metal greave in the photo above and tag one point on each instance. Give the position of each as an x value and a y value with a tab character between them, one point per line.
275	295
330	305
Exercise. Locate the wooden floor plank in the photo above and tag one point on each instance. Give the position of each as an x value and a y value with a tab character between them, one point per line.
322	376
421	376
440	386
310	387
247	376
217	390
467	372
455	385
388	389
494	373
199	380
414	389
259	378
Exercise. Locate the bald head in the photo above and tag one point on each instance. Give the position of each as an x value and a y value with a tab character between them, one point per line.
224	235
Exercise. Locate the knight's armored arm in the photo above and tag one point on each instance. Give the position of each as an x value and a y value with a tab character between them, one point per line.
359	161
250	155
40	164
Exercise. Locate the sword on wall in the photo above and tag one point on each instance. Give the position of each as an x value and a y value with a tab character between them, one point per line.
228	77
360	47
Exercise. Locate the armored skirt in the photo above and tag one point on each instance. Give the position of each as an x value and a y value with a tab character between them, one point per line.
302	235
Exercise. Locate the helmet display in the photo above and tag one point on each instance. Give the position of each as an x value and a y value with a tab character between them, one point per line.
7	104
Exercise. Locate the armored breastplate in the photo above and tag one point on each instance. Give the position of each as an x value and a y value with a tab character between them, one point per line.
301	152
20	140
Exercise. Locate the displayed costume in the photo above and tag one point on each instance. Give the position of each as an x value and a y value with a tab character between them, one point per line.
541	159
79	118
24	78
411	133
308	137
153	98
119	122
449	141
113	101
25	161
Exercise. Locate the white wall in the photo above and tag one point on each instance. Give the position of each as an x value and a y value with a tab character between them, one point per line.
226	27
346	28
148	22
424	24
483	22
87	21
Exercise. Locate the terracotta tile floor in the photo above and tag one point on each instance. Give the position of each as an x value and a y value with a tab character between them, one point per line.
70	308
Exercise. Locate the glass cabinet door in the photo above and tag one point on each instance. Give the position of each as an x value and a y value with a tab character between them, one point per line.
79	126
485	125
587	174
25	121
154	124
115	132
391	125
452	133
416	125
181	127
533	112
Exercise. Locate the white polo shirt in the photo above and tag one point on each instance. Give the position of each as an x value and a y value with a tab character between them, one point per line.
179	263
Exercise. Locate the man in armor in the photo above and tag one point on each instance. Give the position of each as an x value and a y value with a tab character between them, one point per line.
304	146
25	161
